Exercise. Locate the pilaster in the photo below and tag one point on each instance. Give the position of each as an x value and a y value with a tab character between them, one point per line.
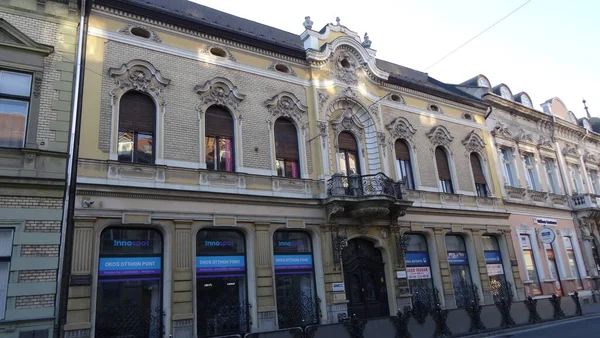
265	293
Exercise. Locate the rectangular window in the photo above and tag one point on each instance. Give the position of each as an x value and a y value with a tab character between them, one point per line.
551	175
508	167
573	262
135	147
595	183
553	267
576	178
530	171
287	168
406	173
481	189
219	153
6	244
15	95
446	186
530	266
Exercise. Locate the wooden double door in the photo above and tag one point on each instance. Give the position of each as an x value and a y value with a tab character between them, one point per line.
364	279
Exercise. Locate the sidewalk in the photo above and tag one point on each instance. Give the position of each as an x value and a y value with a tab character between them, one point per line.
589	311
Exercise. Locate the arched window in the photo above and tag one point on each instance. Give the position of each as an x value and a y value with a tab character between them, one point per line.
478	177
219	139
221	283
137	120
348	154
295	279
443	168
418	266
129	283
494	265
286	149
404	163
460	272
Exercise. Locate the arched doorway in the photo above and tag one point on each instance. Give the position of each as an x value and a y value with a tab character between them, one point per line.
364	277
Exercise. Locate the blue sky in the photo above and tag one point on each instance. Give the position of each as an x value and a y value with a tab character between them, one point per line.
547	48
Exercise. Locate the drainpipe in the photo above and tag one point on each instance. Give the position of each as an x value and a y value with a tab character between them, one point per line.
67	229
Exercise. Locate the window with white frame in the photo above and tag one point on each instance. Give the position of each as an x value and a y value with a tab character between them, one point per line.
595	183
6	242
15	92
573	262
508	167
530	171
530	264
551	176
576	178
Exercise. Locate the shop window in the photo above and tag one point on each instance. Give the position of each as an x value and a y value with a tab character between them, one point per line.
137	119
573	262
129	302
494	265
404	163
459	270
219	139
15	97
348	154
221	283
286	149
553	268
478	177
418	270
530	265
297	303
443	168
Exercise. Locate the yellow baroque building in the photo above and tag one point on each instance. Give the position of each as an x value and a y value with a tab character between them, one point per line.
233	177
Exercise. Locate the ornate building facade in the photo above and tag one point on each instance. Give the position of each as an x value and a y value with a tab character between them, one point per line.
249	179
544	174
37	46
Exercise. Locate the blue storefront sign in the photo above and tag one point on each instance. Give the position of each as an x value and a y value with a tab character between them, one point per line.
457	258
492	257
417	259
126	266
291	262
220	263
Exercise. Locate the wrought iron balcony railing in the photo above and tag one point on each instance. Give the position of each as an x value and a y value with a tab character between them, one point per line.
365	185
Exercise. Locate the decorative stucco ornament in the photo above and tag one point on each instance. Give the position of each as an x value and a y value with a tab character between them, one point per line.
366	42
308	23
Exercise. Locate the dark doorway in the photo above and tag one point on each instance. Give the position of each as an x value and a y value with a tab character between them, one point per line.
365	280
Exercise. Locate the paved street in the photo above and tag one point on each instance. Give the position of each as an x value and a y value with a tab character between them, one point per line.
589	327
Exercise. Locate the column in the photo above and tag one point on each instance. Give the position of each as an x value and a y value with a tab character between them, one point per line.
442	256
183	275
265	293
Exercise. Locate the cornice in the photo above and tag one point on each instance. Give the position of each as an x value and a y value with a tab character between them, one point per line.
120	15
515	107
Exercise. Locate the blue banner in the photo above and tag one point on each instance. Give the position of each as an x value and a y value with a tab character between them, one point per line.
492	257
290	262
457	258
125	266
417	259
220	263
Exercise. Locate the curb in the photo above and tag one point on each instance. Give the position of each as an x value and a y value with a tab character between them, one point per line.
533	327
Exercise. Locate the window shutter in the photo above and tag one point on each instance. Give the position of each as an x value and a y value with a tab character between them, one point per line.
402	152
477	170
286	140
347	142
137	112
442	164
218	122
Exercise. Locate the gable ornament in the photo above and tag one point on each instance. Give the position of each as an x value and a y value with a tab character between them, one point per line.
439	136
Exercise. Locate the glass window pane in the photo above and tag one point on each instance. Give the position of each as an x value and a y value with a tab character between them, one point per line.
6	239
455	243
490	243
417	243
532	272
124	242
291	169
125	147
209	242
291	242
210	153
12	83
225	154
13	121
342	161
280	166
352	163
296	299
221	303
4	273
144	148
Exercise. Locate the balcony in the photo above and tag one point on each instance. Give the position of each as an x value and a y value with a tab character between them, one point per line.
365	198
587	202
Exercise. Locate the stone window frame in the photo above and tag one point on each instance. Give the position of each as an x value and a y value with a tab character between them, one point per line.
474	144
7	258
568	233
525	229
24	55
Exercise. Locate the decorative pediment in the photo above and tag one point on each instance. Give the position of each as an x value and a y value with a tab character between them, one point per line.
544	142
590	158
138	75
131	28
219	91
524	137
440	136
570	150
400	128
473	142
10	36
344	66
502	130
347	121
286	104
